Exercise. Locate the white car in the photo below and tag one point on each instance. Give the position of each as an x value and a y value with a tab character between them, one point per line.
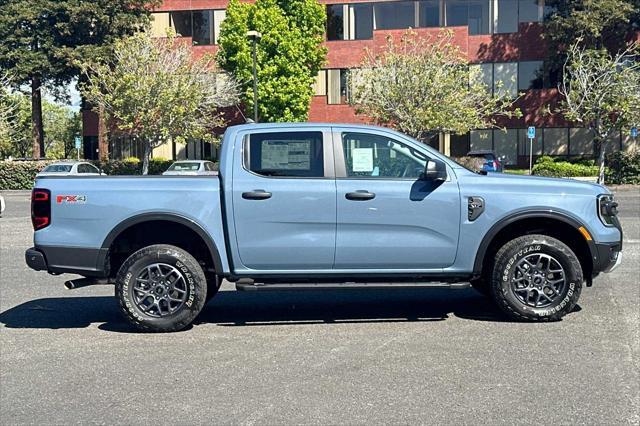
192	168
1	204
70	168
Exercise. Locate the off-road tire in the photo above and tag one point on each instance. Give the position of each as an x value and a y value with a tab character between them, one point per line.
504	269
194	278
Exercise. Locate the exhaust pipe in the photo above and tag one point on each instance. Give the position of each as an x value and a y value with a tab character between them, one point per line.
84	282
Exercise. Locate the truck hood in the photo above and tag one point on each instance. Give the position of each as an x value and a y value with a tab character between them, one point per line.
537	184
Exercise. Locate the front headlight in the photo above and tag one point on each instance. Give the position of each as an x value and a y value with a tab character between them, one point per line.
607	209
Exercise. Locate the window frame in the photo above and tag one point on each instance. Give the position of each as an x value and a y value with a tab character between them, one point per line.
341	164
327	150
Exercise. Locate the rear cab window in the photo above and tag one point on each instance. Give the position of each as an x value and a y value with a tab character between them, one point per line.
285	154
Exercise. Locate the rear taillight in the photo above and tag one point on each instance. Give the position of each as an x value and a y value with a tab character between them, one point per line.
496	164
40	208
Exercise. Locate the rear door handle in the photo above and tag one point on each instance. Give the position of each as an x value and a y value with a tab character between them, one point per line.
258	194
360	196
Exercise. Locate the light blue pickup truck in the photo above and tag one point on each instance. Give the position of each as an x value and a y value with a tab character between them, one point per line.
324	206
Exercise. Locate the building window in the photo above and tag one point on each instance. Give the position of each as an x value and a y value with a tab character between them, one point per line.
181	23
395	15
481	140
505	77
338	91
349	22
530	75
505	145
556	141
530	10
159	24
483	73
456	13
218	17
479	13
429	13
523	141
320	84
203	26
506	16
581	142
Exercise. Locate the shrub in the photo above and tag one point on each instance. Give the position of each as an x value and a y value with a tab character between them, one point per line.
545	166
624	168
20	174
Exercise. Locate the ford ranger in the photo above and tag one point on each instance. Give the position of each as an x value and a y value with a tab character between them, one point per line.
324	206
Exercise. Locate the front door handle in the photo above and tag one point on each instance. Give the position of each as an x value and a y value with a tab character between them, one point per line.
360	196
258	194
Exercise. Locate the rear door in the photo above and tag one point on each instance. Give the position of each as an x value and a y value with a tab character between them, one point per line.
388	218
284	199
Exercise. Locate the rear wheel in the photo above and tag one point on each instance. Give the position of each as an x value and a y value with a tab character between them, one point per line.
536	278
161	288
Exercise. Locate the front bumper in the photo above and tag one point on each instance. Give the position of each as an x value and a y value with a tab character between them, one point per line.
609	256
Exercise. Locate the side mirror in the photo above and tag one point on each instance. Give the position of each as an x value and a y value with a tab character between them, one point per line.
435	170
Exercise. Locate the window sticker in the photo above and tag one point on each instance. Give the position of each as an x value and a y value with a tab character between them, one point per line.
286	155
362	159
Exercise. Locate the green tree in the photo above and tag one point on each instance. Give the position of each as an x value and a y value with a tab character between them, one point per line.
425	86
601	91
156	90
61	125
42	41
289	54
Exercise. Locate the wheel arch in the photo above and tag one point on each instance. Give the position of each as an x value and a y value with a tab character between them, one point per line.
177	220
558	224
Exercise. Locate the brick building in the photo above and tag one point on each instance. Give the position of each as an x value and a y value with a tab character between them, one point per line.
502	37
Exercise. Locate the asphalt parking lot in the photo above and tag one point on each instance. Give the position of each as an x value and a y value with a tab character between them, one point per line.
357	357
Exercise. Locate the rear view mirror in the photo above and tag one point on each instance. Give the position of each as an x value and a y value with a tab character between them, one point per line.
435	170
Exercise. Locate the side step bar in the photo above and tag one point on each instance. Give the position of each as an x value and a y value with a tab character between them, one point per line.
243	285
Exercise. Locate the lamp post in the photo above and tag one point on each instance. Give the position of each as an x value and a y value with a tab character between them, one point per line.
254	36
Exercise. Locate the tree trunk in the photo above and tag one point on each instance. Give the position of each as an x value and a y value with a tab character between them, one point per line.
147	156
103	145
601	144
37	130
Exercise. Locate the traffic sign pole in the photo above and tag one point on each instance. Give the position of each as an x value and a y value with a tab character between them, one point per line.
531	134
78	142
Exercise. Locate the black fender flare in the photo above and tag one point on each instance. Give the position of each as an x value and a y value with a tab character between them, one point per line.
167	217
530	214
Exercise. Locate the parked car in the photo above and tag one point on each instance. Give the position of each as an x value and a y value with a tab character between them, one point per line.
70	168
324	206
191	167
491	162
2	204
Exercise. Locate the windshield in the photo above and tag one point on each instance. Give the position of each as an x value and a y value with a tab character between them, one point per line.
58	168
184	167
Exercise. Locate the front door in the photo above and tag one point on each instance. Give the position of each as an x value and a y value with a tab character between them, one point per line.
284	200
388	218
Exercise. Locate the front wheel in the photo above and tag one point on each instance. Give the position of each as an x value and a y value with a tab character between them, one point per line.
161	288
536	278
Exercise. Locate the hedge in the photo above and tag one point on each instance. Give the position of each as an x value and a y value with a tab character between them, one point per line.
21	174
546	166
623	168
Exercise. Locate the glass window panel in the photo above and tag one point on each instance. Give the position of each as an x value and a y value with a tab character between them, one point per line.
320	84
556	141
530	75
335	22
376	156
505	78
483	73
581	142
362	18
507	16
505	143
294	154
202	27
481	140
479	17
459	145
218	17
613	142
181	23
333	86
524	142
395	15
529	11
345	90
429	13
456	13
159	24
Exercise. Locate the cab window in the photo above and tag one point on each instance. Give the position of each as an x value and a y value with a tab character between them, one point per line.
376	156
286	154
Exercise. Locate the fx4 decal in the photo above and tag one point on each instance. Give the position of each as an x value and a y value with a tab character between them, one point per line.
71	199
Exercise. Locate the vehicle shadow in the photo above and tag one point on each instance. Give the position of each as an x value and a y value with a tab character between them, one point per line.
232	308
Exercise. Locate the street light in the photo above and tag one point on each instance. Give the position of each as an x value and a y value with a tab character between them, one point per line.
254	36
